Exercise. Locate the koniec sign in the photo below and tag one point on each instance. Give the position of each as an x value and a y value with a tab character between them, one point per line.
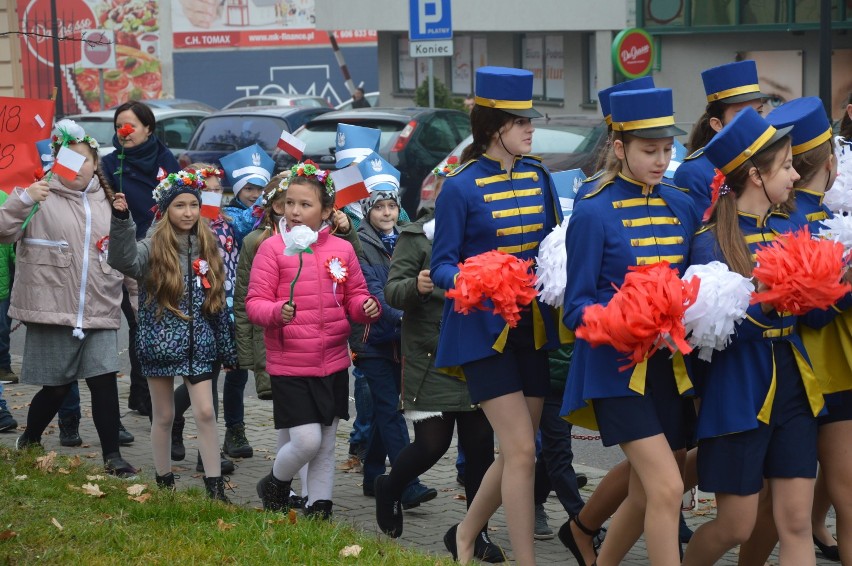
633	53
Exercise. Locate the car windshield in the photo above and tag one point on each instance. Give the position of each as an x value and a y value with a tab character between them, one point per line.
308	102
101	130
230	133
319	137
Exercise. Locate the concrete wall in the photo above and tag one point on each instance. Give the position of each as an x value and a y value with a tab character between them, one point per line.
11	78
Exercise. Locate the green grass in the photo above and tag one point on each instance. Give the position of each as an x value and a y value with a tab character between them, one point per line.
168	528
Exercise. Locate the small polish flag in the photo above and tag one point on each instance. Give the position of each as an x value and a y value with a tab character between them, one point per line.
211	202
38	120
68	163
291	145
349	186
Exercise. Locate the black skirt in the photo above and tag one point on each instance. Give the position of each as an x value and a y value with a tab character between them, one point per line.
298	401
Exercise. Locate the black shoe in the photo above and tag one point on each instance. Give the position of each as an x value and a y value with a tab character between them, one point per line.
6	421
24	442
416	494
487	550
69	431
124	437
215	488
460	479
369	488
321	509
236	444
582	480
388	510
167	481
274	493
140	404
684	532
296	502
829	551
450	541
567	538
226	465
115	465
178	449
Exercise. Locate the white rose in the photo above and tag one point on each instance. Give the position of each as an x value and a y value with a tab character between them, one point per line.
298	239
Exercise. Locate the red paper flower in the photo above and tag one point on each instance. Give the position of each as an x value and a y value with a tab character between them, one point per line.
505	280
452	160
801	273
644	314
38	174
125	131
229	244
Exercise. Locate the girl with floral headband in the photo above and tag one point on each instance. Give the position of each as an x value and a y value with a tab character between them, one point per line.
67	294
304	284
184	326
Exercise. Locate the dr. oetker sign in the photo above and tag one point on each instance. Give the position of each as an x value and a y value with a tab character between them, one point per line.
633	53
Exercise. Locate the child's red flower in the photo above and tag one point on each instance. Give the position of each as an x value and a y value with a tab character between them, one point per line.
452	160
125	131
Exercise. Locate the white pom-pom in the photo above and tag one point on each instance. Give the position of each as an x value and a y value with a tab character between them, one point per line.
429	230
78	333
723	298
552	259
838	229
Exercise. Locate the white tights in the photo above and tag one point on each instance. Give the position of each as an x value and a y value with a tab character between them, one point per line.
309	450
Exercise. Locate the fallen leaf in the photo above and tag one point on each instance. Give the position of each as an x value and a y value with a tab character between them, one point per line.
16	407
16	394
231	486
141	499
7	534
21	478
191	436
45	463
179	469
223	526
269	457
56	523
92	489
353	550
460	497
85	446
95	478
136	489
90	455
63	471
291	516
74	461
276	521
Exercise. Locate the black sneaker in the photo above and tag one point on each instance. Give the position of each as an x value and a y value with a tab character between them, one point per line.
124	436
487	550
115	465
236	444
6	421
69	431
24	443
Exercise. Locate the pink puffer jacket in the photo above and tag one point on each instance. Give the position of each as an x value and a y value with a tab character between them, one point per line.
314	343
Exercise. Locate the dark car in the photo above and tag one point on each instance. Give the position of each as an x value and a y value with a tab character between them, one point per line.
414	140
230	130
562	142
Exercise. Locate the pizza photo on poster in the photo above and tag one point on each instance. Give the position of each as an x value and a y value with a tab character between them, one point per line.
138	73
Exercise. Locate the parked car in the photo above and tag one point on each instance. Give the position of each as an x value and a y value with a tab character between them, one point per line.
227	131
372	98
278	100
413	140
174	127
562	142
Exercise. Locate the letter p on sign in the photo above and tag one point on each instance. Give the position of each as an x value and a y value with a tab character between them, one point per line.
429	13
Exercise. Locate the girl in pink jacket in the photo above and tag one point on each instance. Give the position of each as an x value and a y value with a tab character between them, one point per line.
303	285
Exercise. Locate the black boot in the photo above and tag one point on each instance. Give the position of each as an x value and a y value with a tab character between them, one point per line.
69	431
178	449
226	465
166	482
115	465
321	509
216	489
274	493
124	436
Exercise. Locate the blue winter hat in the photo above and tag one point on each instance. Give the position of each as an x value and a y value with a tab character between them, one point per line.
507	89
647	113
812	127
732	82
742	138
641	83
248	165
354	143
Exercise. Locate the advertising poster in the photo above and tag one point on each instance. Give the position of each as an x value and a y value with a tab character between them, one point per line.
137	74
252	23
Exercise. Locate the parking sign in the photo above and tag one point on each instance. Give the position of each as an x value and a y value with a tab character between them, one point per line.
429	20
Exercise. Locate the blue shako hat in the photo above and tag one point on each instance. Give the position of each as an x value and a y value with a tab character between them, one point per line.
732	82
647	113
378	174
249	165
742	138
507	89
353	143
641	83
811	125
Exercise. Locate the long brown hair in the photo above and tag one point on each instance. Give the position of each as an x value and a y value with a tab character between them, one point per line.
165	277
267	223
846	122
702	131
612	165
725	220
484	123
809	163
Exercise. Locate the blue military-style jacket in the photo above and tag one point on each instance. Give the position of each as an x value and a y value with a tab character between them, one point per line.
696	174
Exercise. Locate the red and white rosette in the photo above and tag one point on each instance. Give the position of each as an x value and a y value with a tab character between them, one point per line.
103	248
201	267
338	271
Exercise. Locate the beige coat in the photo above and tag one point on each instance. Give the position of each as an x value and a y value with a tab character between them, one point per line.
58	255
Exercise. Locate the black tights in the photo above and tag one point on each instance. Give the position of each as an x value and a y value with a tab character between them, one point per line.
432	438
104	391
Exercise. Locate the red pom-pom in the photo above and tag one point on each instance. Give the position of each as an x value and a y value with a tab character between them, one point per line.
647	311
504	279
801	273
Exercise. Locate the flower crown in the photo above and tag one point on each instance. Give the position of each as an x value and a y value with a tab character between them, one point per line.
451	165
309	169
207	172
71	132
175	183
269	195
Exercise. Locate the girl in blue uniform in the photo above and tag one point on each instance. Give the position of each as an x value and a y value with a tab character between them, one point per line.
760	398
499	199
729	89
630	219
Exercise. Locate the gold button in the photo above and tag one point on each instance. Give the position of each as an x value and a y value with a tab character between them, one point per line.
493	103
535	176
479	183
628	223
747	153
617	204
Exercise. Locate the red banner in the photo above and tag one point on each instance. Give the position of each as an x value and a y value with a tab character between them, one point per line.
23	122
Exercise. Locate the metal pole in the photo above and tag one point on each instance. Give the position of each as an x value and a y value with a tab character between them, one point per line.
101	87
57	71
825	54
431	83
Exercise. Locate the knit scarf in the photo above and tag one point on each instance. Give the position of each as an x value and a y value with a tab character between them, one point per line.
389	241
143	157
